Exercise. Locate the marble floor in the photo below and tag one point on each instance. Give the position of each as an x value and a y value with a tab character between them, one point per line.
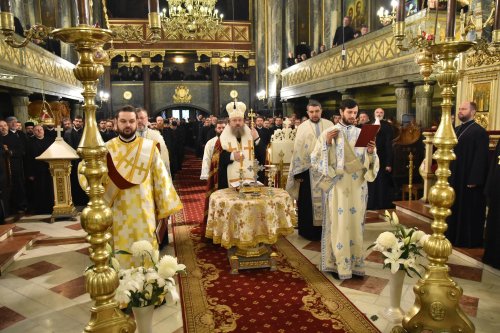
43	290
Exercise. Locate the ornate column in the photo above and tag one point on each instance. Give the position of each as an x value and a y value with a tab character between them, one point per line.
288	108
253	81
146	77
291	26
20	105
77	110
214	72
423	103
275	50
403	100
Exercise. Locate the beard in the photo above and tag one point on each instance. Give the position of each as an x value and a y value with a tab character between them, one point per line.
127	132
346	121
237	131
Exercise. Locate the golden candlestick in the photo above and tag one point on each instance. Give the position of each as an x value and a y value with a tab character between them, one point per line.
251	115
96	219
437	296
410	175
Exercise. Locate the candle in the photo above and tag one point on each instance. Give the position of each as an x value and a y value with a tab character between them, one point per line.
450	19
83	11
401	11
5	6
154	6
497	16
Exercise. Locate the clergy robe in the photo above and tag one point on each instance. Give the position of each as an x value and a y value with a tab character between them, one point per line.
381	191
468	213
343	172
207	158
156	136
73	137
492	234
301	183
212	180
229	171
139	191
39	178
16	152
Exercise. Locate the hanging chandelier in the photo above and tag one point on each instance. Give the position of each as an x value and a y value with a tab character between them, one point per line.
191	18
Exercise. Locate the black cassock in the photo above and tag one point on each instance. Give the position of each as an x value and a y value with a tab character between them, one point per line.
42	186
305	213
466	224
492	234
381	191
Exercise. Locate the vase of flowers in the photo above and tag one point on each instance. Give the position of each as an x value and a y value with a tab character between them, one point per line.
143	287
401	249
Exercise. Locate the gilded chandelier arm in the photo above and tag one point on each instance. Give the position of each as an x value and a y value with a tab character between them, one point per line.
36	32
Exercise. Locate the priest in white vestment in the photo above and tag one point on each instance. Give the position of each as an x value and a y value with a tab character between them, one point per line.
209	150
301	183
144	132
139	189
343	171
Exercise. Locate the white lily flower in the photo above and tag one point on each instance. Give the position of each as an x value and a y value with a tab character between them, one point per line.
393	258
395	218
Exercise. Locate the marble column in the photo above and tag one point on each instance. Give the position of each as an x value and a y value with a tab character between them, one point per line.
290	26
260	33
423	104
108	87
315	20
328	15
214	70
275	50
403	100
20	105
346	94
253	81
146	78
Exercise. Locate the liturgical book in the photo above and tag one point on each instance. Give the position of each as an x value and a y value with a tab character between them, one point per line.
368	133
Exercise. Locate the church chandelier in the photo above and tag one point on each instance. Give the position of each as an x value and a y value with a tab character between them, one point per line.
191	18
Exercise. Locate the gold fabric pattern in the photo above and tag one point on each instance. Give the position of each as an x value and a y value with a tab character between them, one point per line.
246	222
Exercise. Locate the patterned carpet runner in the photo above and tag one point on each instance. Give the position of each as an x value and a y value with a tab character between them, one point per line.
295	298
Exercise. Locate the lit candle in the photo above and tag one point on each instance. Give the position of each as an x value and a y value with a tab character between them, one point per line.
154	6
401	11
450	18
83	11
5	6
497	16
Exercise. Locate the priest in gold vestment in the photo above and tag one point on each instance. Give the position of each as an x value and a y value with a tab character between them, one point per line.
139	189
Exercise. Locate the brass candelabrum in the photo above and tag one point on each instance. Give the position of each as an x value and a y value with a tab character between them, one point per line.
101	281
437	296
96	219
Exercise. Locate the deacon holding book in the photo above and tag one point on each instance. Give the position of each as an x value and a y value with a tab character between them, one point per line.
343	168
301	183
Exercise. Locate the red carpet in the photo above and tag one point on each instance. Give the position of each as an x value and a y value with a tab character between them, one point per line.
295	298
189	187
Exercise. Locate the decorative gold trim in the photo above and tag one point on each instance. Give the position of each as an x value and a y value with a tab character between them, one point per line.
182	95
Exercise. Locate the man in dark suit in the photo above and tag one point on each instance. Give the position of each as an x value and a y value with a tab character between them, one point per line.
343	34
73	137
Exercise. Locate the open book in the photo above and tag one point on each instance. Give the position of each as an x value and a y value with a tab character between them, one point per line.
368	133
246	182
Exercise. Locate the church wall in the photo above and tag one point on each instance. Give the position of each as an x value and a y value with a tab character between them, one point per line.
162	93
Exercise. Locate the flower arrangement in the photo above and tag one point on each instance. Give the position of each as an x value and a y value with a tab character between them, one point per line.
144	286
400	247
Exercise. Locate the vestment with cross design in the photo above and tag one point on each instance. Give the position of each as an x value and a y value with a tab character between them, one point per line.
139	191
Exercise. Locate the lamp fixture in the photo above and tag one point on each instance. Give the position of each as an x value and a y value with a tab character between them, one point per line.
384	16
191	18
261	95
103	97
274	68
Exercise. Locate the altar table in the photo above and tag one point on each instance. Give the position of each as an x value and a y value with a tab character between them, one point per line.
247	225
